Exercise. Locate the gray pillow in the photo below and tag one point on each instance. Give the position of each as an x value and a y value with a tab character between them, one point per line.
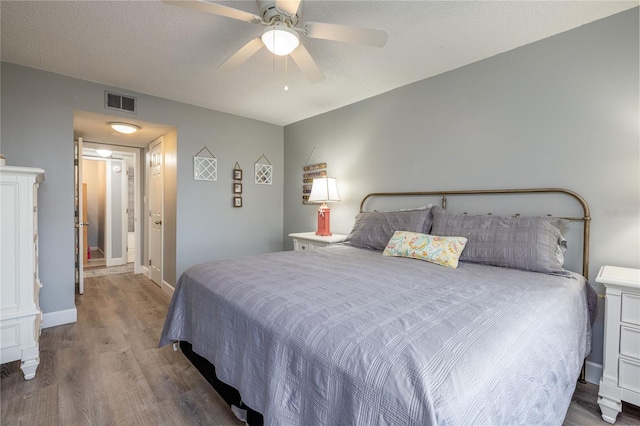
373	230
527	243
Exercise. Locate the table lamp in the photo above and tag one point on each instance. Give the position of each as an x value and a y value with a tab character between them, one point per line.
324	190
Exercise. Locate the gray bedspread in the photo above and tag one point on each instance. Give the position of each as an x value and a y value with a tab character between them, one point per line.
346	336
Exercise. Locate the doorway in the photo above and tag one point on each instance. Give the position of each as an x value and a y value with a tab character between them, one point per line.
92	130
109	181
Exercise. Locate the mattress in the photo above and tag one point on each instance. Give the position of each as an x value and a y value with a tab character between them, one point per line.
342	335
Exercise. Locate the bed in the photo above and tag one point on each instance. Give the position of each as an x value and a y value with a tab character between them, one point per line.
354	335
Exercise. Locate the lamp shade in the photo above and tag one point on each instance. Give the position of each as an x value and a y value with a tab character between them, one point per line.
280	40
324	189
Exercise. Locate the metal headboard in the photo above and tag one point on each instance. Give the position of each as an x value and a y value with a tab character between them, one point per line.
586	219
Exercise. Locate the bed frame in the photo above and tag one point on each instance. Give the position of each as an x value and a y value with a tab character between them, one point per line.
585	219
254	418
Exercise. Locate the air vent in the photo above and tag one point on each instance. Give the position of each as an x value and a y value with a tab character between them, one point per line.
119	102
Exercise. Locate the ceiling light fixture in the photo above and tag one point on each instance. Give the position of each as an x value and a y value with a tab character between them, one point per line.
125	128
280	39
104	152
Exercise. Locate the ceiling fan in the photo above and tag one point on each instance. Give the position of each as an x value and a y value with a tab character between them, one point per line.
281	19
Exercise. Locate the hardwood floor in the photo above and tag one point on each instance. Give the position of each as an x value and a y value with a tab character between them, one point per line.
106	369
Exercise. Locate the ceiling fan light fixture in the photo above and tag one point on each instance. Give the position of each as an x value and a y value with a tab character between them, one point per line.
125	128
280	39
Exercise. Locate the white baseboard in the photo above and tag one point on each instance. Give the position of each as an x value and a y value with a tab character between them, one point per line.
145	272
52	319
168	288
593	372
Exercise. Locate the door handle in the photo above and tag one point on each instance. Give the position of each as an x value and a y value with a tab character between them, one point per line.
158	222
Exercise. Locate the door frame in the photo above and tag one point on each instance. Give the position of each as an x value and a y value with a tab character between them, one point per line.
137	192
78	207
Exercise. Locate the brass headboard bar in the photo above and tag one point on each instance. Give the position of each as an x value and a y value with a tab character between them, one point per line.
586	219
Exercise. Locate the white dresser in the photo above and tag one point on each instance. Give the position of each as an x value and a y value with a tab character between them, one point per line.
309	240
621	367
20	313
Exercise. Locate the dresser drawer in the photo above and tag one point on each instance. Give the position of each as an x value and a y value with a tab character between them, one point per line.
630	342
9	341
629	377
630	308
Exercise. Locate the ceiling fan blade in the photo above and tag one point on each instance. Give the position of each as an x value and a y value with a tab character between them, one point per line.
307	65
217	9
242	54
290	7
357	35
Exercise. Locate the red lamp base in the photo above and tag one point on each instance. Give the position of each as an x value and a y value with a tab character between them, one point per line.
324	229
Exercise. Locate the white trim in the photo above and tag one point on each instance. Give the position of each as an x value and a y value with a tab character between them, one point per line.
108	239
168	288
145	271
52	319
593	372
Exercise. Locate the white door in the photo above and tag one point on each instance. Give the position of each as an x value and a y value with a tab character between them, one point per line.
156	195
116	209
80	248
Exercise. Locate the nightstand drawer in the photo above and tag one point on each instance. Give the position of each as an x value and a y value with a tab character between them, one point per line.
303	246
307	241
630	308
630	342
629	375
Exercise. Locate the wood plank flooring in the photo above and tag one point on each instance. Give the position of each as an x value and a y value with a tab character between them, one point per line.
106	369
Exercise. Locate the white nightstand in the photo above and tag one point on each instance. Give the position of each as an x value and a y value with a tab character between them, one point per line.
621	367
309	240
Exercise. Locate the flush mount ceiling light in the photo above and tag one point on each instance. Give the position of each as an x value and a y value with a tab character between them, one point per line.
125	128
280	39
104	152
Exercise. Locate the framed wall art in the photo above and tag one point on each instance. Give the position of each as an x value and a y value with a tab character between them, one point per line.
263	171
205	167
309	172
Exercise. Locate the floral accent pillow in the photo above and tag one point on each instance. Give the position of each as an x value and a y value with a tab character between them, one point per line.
443	251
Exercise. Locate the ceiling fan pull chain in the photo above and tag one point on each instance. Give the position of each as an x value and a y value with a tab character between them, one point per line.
286	72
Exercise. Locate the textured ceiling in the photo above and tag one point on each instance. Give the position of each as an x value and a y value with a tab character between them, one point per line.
173	52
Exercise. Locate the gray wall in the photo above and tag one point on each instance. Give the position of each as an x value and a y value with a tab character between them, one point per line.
37	130
559	112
